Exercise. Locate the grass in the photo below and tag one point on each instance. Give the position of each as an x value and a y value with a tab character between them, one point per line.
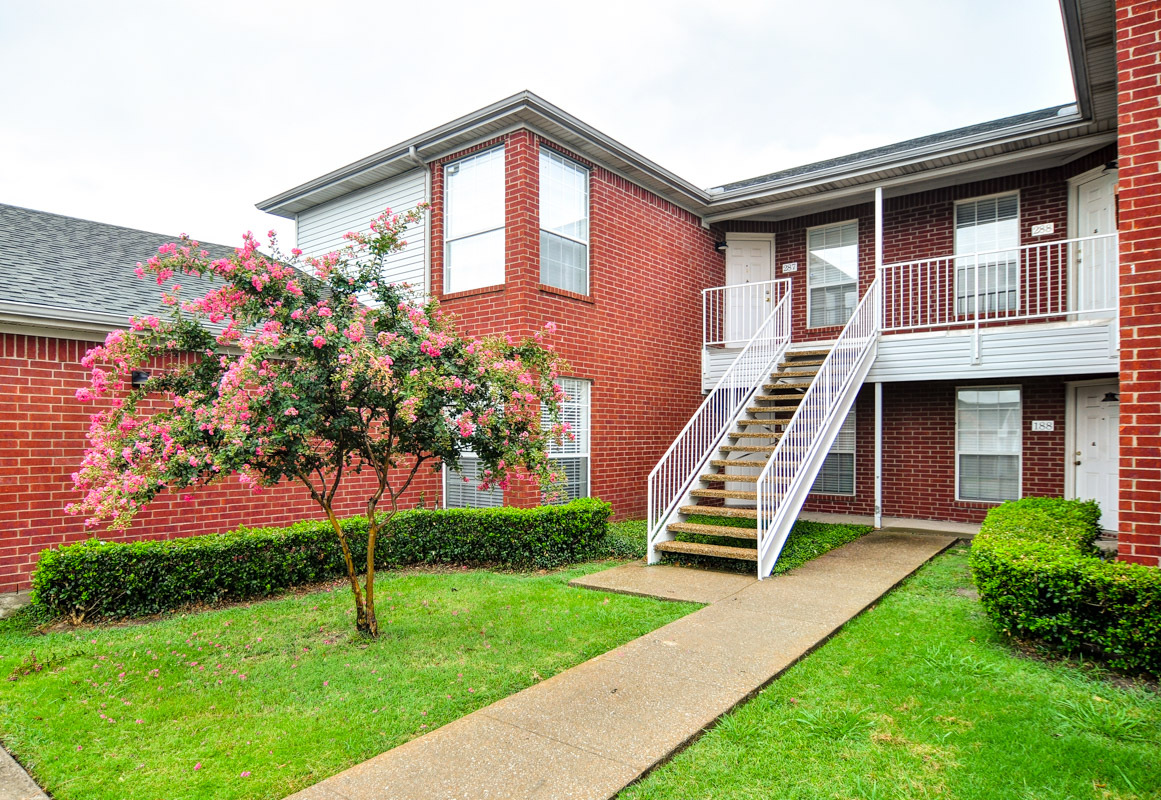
262	699
921	698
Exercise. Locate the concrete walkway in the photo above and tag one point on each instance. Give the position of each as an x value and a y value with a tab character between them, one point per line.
591	730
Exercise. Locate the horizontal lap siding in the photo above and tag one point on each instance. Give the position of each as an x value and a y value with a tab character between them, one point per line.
43	431
321	229
1011	352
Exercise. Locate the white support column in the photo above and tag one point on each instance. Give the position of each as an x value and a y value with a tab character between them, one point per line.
878	230
878	455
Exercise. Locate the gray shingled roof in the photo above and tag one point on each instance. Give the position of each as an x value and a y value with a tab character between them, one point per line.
853	159
62	262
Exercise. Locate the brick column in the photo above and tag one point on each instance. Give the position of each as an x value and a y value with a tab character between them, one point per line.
1139	191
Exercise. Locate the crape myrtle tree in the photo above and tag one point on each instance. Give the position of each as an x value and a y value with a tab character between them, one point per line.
310	372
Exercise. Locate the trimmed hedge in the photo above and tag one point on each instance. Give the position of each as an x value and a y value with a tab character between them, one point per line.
94	579
1040	577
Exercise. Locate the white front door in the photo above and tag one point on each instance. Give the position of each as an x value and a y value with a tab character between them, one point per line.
1097	453
748	261
1095	262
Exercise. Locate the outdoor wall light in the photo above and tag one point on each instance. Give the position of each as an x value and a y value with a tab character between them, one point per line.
139	377
721	247
1111	397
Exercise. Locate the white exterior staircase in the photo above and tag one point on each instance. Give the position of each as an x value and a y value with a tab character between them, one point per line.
744	464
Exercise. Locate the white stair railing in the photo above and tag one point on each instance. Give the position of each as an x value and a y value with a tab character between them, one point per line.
789	474
673	477
731	314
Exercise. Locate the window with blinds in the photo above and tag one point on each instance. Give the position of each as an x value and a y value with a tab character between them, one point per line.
832	274
571	456
989	281
837	475
460	488
988	436
474	221
564	223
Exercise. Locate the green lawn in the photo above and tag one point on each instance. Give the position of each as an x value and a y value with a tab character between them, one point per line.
260	700
920	698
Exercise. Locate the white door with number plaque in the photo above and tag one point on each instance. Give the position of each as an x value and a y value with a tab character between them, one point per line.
1097	456
748	261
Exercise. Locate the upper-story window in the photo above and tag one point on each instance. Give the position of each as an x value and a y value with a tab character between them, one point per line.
564	223
474	221
987	274
832	274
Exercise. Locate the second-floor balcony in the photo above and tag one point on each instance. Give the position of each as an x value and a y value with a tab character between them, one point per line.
1045	308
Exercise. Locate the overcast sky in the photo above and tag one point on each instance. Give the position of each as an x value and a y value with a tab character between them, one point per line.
175	116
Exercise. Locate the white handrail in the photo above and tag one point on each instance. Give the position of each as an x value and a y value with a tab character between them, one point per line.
1033	281
685	458
787	477
731	314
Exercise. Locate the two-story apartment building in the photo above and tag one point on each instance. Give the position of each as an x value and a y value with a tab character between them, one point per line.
916	331
921	330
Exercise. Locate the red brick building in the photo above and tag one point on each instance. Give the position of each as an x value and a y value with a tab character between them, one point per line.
918	331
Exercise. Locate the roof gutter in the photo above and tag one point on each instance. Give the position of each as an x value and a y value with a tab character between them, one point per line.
1074	38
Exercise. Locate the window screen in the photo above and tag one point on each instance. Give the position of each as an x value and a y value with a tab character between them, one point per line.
832	269
474	221
564	223
988	424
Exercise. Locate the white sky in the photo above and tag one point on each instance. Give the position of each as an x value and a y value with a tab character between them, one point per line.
179	116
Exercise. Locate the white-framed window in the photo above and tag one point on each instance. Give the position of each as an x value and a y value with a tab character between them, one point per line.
461	487
987	225
832	274
988	442
564	223
571	456
474	221
837	475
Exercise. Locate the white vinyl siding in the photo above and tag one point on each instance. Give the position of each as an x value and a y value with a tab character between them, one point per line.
321	229
988	438
564	223
461	493
474	221
837	475
982	226
832	274
571	456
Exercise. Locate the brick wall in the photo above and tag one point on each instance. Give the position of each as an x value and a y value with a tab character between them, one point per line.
636	335
919	450
1139	154
919	225
42	440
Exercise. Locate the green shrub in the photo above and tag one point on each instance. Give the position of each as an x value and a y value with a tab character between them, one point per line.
120	579
1040	577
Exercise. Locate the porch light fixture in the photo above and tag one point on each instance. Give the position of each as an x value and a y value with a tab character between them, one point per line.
1111	397
1110	166
721	246
139	377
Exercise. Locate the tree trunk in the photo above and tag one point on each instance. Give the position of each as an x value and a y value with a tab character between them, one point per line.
361	621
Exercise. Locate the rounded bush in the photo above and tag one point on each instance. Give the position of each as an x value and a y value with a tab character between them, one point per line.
1040	577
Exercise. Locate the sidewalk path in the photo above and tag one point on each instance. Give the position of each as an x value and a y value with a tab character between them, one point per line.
593	729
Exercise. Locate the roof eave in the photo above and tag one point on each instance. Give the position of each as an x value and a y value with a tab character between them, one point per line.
428	147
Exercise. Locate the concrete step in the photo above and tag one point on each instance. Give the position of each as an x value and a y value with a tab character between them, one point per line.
794	373
723	478
716	550
806	353
738	462
747	448
754	435
771	409
713	530
724	494
731	512
774	387
802	362
756	423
